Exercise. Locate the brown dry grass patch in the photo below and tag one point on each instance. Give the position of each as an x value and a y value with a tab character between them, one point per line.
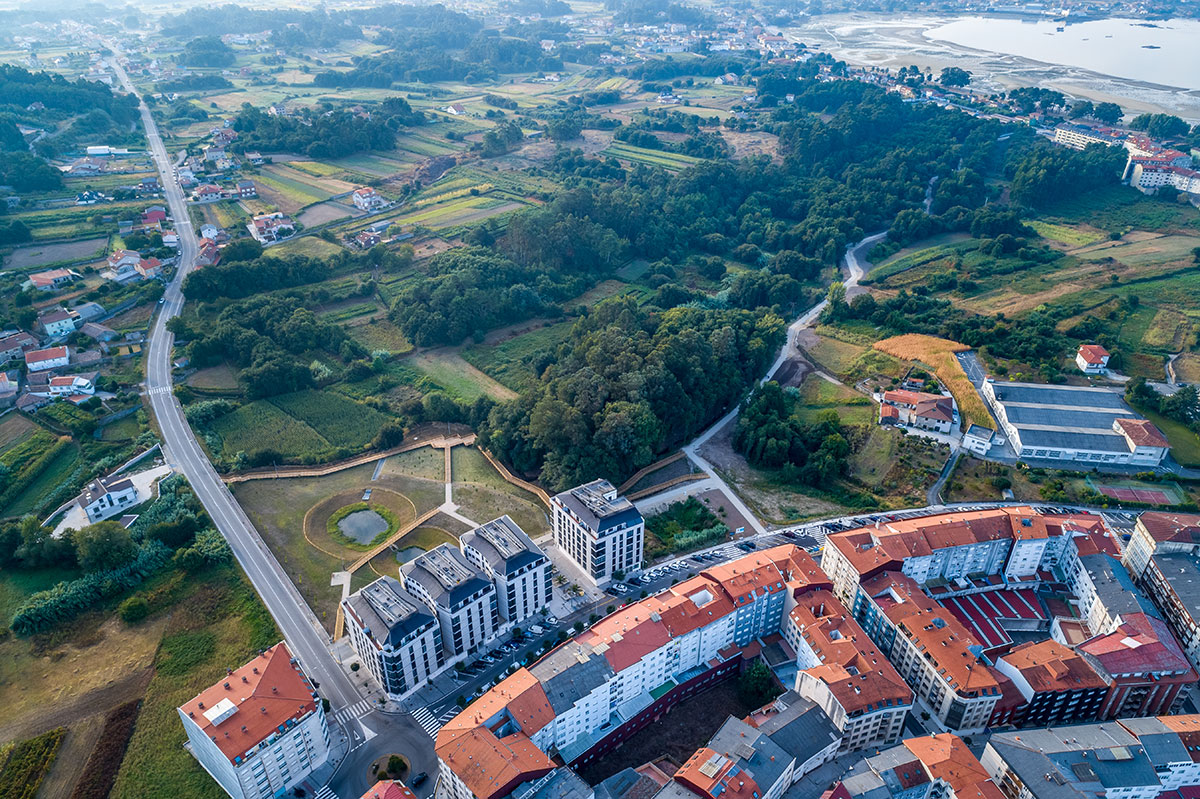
938	355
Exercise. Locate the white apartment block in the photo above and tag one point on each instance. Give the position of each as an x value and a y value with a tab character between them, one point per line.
397	637
601	532
517	566
261	730
461	596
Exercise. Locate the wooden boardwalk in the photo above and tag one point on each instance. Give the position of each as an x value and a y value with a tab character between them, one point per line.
370	457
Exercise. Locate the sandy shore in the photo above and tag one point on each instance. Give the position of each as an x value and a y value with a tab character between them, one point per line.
896	41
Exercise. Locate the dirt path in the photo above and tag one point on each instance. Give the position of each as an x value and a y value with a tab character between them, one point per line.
66	714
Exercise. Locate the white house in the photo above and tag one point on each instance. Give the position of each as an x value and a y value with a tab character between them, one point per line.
1092	359
260	730
52	358
367	199
105	497
66	386
978	439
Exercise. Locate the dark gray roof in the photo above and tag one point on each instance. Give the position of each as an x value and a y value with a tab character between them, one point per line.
1114	759
676	790
1072	396
562	783
801	729
446	575
753	750
1021	415
503	544
1182	573
598	505
1064	439
626	784
569	673
1114	587
388	611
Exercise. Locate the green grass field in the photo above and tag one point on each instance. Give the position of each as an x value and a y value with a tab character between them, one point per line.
818	395
1119	209
642	155
449	372
308	246
509	361
337	419
260	425
1070	235
47	480
380	334
292	188
1185	445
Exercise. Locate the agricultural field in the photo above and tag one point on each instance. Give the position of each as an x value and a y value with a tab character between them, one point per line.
510	361
380	334
78	222
221	378
938	354
445	369
642	155
818	396
43	255
426	463
261	425
308	246
1071	236
1117	209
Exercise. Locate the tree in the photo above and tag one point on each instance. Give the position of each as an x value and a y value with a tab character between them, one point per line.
1160	126
207	51
241	250
103	545
134	609
1082	108
954	76
756	685
1108	113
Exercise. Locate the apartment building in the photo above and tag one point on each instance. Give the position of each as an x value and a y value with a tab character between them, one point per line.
396	635
843	672
587	696
261	729
1144	666
599	530
459	594
1135	758
1056	684
517	566
1173	582
1157	532
930	767
939	658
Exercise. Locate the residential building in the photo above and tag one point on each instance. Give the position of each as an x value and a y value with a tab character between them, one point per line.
1073	423
1078	137
149	268
106	497
57	322
53	279
1160	532
389	789
246	189
931	767
802	729
1172	580
978	439
1144	666
42	360
208	254
939	658
65	386
210	231
396	635
86	167
1150	175
1135	758
98	332
460	595
254	157
600	531
367	199
14	346
260	730
366	239
208	192
587	696
1056	685
917	409
122	267
845	674
268	228
1092	359
90	311
516	566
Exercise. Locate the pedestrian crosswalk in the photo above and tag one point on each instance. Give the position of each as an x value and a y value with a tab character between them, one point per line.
355	711
160	390
325	793
431	723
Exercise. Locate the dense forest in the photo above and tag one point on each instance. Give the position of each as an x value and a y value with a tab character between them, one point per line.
328	134
74	111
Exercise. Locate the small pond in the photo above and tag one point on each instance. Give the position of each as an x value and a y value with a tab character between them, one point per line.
362	526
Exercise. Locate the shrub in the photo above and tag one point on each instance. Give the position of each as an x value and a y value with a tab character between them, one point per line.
134	609
28	764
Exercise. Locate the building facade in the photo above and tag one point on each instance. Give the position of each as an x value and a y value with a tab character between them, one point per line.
460	595
261	730
397	637
600	531
517	566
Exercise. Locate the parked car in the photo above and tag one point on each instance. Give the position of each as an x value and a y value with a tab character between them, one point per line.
418	780
552	620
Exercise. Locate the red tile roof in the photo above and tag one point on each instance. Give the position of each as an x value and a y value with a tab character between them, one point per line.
1179	527
33	356
947	758
389	789
1142	433
712	774
1093	354
1050	666
267	693
1141	645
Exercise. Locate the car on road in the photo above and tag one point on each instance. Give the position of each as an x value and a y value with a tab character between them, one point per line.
418	780
788	534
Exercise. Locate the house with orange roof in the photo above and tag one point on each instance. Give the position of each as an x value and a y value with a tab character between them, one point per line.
1092	359
260	729
917	409
843	671
1159	532
389	789
938	766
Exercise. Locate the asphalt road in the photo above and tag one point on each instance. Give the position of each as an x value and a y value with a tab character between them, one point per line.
372	734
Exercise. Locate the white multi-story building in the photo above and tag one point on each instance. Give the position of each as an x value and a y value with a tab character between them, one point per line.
599	530
396	636
1160	533
517	566
590	694
367	199
843	672
460	595
261	729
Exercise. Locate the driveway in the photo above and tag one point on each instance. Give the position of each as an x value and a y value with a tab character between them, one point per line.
143	483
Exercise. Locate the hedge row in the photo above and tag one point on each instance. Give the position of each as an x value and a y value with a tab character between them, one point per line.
28	764
105	761
72	597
